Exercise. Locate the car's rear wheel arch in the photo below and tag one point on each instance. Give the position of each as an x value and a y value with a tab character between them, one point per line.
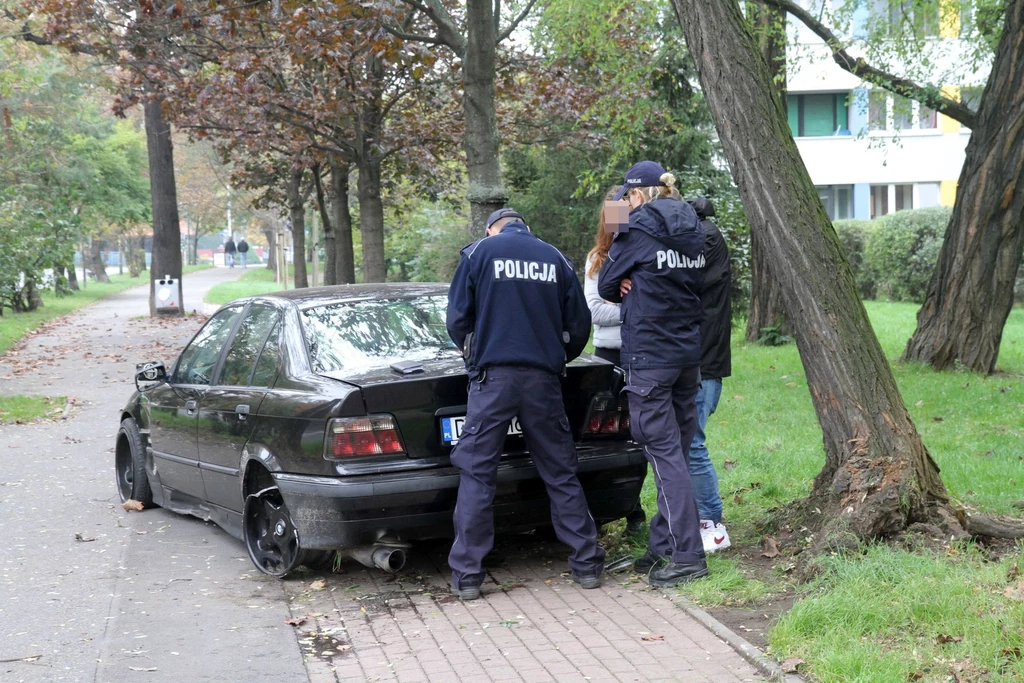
256	478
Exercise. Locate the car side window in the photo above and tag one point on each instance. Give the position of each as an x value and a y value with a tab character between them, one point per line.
270	359
245	347
199	358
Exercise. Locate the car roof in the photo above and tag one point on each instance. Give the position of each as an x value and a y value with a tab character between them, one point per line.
308	297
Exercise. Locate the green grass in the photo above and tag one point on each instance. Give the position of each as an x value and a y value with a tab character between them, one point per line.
767	428
891	615
258	280
13	326
28	408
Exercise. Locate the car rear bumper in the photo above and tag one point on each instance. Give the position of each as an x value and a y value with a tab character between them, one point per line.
334	512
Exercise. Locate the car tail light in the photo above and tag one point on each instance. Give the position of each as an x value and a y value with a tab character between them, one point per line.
353	437
607	416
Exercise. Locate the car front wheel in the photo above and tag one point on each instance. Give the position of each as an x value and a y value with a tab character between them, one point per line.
130	465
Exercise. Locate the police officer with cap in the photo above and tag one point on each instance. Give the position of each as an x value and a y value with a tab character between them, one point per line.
517	311
656	269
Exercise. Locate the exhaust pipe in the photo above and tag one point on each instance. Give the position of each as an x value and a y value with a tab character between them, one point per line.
388	558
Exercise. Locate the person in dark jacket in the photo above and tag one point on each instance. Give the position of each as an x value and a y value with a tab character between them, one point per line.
229	252
517	311
243	252
715	364
656	269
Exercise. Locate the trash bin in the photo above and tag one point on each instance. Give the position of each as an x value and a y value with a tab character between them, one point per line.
167	295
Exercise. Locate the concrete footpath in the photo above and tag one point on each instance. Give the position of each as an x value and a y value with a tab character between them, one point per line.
89	592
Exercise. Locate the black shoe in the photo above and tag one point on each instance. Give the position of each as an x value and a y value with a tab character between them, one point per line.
466	592
675	573
648	561
635	526
588	580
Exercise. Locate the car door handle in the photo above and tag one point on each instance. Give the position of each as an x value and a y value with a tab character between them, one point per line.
190	407
242	411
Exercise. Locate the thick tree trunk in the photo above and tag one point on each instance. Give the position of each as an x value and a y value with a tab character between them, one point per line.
164	195
297	214
769	27
96	265
330	255
971	293
486	190
72	275
345	263
371	221
878	476
271	236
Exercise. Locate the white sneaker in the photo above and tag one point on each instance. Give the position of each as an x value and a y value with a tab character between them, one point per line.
714	536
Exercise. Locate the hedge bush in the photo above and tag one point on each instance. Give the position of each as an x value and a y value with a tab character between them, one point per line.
853	235
902	250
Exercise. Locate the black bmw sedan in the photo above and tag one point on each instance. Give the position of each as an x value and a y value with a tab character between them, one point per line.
321	420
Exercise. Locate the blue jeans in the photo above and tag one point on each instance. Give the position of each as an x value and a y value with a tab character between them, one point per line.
242	255
702	470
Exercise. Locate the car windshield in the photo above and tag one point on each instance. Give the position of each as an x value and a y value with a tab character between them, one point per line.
368	335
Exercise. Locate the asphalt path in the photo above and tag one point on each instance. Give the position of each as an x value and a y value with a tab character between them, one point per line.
91	592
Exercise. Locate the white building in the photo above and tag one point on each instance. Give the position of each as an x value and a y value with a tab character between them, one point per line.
869	152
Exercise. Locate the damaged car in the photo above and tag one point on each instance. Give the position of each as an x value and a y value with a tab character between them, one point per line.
321	420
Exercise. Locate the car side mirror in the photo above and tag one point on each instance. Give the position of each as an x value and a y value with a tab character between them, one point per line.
149	375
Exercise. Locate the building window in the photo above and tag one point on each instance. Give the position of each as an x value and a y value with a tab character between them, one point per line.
890	198
904	197
838	200
879	200
897	113
818	114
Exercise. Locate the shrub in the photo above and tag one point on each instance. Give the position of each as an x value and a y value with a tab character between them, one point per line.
853	235
901	252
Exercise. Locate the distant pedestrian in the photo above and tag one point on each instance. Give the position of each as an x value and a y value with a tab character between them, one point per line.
656	269
715	364
243	251
229	252
517	311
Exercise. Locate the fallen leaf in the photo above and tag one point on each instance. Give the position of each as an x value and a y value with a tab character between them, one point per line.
770	547
1012	653
653	637
915	676
919	404
938	418
139	668
318	585
344	648
30	658
791	665
729	464
942	639
132	505
738	397
83	539
1015	592
296	621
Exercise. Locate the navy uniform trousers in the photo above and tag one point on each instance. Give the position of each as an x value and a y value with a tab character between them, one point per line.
536	397
662	419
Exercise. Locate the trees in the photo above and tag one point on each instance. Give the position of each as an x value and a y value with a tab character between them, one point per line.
971	293
878	476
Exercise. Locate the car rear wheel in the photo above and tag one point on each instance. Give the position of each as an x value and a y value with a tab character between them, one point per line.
130	465
271	536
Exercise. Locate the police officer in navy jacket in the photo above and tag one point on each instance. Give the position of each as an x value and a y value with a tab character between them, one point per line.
656	269
517	311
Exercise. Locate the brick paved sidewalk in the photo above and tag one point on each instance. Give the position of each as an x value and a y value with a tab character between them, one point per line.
532	624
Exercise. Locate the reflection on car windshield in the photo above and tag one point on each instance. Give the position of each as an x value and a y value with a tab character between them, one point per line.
368	335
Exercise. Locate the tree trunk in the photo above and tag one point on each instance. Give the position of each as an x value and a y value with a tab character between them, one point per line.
164	196
371	221
878	476
99	270
345	263
486	190
769	26
330	256
297	214
971	292
72	275
271	236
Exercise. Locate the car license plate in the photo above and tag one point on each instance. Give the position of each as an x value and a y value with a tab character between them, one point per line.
451	429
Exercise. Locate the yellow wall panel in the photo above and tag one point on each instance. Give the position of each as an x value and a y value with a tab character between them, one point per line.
949	19
946	124
947	192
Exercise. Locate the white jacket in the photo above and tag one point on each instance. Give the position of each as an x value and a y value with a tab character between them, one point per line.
605	315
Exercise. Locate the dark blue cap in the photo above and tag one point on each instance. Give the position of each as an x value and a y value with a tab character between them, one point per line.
503	213
643	174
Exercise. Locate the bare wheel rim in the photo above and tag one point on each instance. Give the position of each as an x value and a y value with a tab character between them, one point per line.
124	467
270	534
